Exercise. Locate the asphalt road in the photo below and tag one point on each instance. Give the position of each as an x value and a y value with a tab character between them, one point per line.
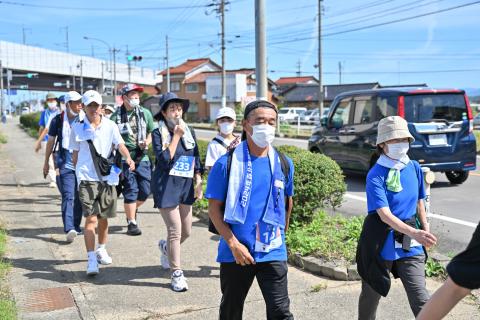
456	209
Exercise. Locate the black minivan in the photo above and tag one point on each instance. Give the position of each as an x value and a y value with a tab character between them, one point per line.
441	122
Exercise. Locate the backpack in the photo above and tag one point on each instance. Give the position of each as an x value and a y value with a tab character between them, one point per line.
285	170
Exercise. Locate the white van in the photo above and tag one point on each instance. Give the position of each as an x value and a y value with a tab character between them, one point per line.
290	115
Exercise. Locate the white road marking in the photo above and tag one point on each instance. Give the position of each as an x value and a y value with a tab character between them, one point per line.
432	215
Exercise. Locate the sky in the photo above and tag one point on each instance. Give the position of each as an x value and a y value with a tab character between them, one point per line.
441	49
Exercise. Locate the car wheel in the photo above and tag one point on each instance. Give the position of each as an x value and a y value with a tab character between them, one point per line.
457	177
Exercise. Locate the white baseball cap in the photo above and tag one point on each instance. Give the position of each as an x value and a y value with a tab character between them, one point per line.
109	107
91	96
72	96
226	112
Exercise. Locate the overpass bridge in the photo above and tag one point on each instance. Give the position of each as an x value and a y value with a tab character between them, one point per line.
33	68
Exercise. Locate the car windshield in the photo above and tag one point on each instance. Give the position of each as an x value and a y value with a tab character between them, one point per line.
308	113
283	111
301	112
435	107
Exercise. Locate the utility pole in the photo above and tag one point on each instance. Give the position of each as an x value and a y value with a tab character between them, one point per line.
166	60
103	80
93	52
24	35
114	51
260	50
73	79
67	44
81	75
224	80
1	87
9	72
340	72
320	84
129	63
299	68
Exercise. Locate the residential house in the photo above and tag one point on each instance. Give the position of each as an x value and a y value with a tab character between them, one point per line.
187	81
285	83
306	95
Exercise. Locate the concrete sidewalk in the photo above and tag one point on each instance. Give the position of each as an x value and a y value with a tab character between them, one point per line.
48	276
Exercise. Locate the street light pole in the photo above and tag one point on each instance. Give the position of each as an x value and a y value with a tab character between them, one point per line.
1	87
320	81
224	80
114	52
260	50
111	53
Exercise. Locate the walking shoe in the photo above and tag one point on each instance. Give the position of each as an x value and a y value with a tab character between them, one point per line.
52	185
179	282
92	267
133	229
71	235
164	262
102	256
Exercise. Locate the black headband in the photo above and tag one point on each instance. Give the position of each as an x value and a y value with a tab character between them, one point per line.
258	104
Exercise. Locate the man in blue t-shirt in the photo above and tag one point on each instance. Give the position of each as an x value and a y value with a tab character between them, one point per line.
247	190
46	117
59	145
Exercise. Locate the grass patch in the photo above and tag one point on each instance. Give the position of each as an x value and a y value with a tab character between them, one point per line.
3	138
435	269
330	238
8	310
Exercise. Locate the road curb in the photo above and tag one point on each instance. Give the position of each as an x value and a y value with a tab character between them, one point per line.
311	264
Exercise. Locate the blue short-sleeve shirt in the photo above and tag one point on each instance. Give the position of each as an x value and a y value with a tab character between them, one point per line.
246	233
402	204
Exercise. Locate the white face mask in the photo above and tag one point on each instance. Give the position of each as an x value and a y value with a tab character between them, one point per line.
52	105
134	102
398	150
72	113
226	127
108	116
263	135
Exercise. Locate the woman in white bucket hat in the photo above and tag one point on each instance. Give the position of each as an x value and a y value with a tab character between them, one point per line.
396	232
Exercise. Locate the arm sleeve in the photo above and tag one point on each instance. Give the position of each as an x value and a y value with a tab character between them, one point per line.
149	120
198	162
376	194
54	128
74	144
217	183
117	137
210	157
421	182
289	188
41	121
162	157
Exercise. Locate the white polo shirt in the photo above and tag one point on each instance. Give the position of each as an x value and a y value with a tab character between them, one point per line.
105	137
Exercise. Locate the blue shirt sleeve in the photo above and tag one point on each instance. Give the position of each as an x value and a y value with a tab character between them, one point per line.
41	121
217	183
376	193
289	187
421	181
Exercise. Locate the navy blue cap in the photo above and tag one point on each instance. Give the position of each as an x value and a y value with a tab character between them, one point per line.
168	97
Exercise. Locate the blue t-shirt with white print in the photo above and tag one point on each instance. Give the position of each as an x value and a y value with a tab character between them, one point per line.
246	233
402	204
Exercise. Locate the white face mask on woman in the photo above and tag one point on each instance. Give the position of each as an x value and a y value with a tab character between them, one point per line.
398	150
263	135
226	127
134	102
52	105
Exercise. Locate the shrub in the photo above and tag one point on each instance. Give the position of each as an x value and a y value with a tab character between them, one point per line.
30	120
318	182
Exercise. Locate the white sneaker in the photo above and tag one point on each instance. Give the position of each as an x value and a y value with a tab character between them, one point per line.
71	235
179	282
52	185
102	256
162	245
92	267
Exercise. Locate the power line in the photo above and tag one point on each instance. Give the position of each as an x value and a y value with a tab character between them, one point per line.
384	72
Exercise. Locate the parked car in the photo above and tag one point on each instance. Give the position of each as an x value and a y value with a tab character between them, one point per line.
441	122
310	117
290	115
476	121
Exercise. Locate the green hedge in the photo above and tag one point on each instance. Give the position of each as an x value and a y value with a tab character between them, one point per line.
30	120
318	182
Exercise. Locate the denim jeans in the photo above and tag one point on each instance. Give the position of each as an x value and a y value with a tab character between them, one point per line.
71	207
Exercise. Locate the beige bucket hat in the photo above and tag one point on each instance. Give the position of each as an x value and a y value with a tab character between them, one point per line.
393	127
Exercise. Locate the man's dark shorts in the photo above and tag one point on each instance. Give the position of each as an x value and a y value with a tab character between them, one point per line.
98	199
136	184
464	269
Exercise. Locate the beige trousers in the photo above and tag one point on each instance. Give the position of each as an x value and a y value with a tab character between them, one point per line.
179	225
